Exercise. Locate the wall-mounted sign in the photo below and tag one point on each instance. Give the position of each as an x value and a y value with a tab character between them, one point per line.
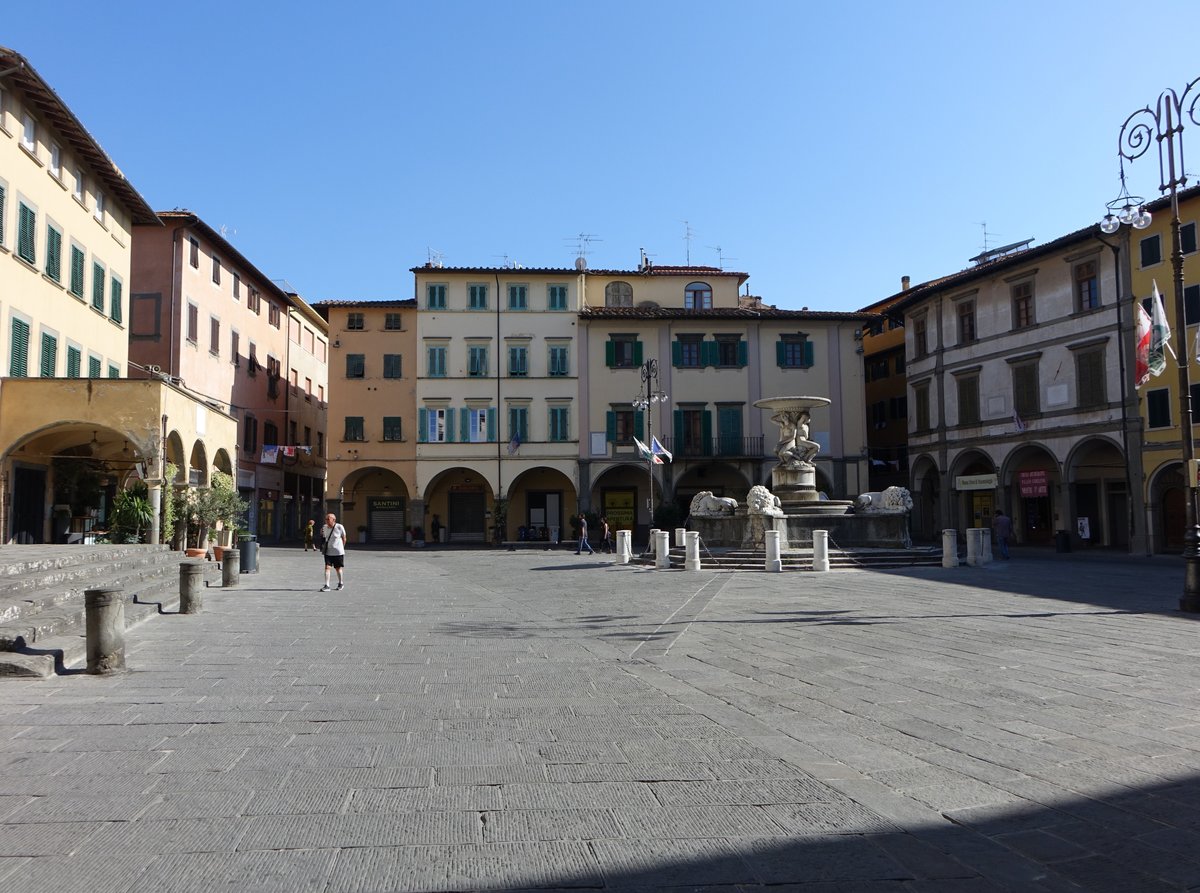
1033	483
976	482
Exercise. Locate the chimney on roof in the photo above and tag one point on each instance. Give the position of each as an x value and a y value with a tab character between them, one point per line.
904	280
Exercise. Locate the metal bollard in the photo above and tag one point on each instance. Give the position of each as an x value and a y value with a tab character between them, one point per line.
231	563
662	550
680	537
624	550
104	610
949	548
820	550
692	545
191	576
774	561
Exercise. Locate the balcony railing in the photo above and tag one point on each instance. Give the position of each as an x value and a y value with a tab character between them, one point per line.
701	447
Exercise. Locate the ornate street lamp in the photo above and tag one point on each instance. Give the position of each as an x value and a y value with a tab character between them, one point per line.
649	395
1163	124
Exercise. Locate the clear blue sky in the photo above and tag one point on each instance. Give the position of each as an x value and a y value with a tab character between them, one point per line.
828	149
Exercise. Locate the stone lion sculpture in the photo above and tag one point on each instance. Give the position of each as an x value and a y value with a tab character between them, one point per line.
893	500
705	505
761	501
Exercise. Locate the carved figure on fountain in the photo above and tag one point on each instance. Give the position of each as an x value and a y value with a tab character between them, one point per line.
893	500
705	505
762	501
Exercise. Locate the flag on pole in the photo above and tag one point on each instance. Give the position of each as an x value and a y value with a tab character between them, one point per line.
515	443
1019	423
659	450
1141	366
1160	334
646	453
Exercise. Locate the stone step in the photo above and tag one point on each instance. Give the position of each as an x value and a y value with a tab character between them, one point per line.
63	571
801	559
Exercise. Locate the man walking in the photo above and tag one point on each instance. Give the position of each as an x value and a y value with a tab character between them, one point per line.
583	541
1002	527
334	536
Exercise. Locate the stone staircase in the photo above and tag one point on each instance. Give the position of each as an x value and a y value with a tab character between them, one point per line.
801	559
42	625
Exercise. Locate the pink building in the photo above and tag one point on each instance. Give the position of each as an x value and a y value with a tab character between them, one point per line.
202	313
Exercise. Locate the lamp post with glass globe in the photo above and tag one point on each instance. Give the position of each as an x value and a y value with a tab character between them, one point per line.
1164	124
649	395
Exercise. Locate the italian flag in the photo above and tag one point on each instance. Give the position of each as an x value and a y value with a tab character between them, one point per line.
1141	369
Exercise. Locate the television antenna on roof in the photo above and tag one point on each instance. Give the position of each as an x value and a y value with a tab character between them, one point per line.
582	243
721	258
434	257
688	235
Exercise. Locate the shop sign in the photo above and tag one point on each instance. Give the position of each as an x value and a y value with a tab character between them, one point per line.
1033	483
387	505
619	508
976	482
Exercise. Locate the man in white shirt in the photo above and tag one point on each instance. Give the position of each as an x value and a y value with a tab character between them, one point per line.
333	535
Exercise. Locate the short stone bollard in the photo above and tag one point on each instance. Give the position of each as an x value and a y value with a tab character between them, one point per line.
104	613
680	537
774	561
949	548
191	576
231	563
653	544
624	549
662	550
986	539
692	546
972	547
820	550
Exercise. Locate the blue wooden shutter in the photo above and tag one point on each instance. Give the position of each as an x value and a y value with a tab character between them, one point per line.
464	423
422	425
449	425
610	426
491	424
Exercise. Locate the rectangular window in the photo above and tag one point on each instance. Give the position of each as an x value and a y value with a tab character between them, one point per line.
477	425
794	352
391	365
477	361
250	434
435	425
214	336
518	423
731	351
356	365
354	428
898	407
49	355
80	185
687	351
193	252
270	434
193	324
56	161
98	273
293	436
308	389
237	286
3	196
1022	298
1087	287
559	417
435	297
920	339
1191	304
1187	238
391	322
1158	408
623	426
53	253
436	362
94	367
26	233
921	396
518	296
879	414
477	297
78	263
559	360
1089	378
74	361
1150	250
391	428
355	322
254	302
114	371
273	314
518	361
29	132
116	301
968	400
307	436
556	297
623	352
235	348
966	322
320	443
216	273
1025	390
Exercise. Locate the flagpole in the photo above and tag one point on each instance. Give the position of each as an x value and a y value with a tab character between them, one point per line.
649	395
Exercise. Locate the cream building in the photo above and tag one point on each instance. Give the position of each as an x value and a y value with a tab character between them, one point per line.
66	220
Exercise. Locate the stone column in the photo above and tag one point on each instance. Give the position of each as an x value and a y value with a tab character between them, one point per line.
949	548
680	537
652	545
662	549
104	611
774	562
231	564
820	550
155	488
692	543
986	539
624	550
972	546
190	582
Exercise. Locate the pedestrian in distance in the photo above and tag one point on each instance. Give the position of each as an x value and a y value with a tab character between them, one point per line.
583	539
606	536
435	529
333	535
308	536
1002	527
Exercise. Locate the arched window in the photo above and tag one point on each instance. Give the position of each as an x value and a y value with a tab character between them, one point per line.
697	296
618	294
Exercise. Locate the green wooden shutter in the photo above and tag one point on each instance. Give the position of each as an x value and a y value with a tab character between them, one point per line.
743	353
491	424
98	287
49	355
115	310
26	233
53	253
464	423
450	425
422	426
677	353
77	261
780	354
19	362
639	425
706	432
3	215
637	353
610	426
678	419
710	353
74	359
808	354
610	354
93	367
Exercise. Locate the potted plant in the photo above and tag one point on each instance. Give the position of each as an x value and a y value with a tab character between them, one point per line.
131	515
216	507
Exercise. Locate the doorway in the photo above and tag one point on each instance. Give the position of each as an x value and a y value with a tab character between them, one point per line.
29	505
466	517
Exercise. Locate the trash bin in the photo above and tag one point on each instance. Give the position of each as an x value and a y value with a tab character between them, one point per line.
248	545
1062	541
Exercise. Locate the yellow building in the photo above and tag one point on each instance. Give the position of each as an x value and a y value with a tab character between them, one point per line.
66	218
886	392
1149	259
